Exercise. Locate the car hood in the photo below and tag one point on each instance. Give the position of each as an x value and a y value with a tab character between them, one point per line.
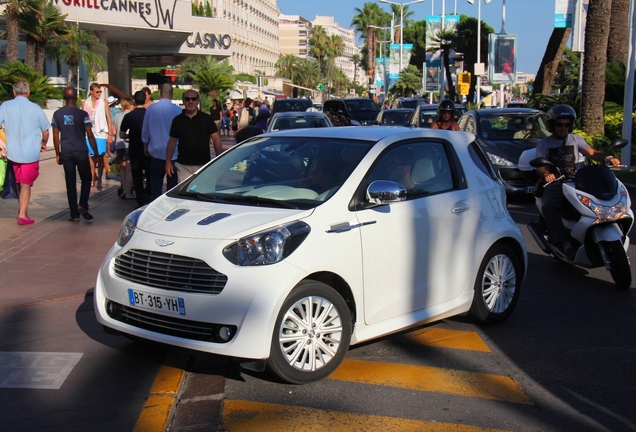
204	220
509	149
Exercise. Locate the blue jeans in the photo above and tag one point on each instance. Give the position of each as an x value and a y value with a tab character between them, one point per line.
157	173
71	161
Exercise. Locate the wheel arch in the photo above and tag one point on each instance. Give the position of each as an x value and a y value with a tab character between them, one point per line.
518	249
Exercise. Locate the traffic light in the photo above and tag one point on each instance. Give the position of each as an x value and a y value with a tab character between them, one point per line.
464	83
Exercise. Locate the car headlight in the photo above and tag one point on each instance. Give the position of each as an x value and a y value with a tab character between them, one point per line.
500	161
129	226
267	247
606	213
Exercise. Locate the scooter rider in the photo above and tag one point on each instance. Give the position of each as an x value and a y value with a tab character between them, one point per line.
445	113
562	149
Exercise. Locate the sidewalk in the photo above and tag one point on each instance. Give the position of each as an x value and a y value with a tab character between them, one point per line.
55	259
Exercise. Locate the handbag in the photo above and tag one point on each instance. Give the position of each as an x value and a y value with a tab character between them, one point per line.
10	187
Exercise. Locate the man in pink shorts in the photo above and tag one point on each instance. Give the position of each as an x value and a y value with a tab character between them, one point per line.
27	132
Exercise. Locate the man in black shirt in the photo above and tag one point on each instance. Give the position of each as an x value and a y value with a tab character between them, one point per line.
195	131
130	129
71	127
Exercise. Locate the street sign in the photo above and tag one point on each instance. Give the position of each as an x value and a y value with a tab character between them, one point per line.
320	87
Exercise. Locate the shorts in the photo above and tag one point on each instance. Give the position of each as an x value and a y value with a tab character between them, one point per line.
26	173
101	146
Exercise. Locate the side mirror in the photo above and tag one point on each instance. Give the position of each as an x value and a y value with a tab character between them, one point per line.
618	143
539	162
385	192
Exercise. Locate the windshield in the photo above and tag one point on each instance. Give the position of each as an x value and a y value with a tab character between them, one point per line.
356	105
513	126
400	117
289	172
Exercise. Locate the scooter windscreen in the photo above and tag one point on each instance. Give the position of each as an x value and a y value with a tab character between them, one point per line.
596	180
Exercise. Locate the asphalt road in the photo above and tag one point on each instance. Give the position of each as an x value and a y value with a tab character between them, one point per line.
563	361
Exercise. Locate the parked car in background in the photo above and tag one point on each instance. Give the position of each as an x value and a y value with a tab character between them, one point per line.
393	117
424	115
504	134
297	120
291	104
516	105
277	251
351	111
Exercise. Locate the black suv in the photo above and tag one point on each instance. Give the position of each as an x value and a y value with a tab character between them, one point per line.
291	104
351	111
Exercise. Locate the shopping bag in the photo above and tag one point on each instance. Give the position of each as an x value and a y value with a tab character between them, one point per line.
3	170
10	187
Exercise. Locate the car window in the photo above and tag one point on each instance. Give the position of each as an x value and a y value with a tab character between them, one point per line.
286	105
284	123
427	117
480	159
422	167
277	171
509	126
361	105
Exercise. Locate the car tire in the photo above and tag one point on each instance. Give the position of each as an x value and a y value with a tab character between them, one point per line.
497	285
311	335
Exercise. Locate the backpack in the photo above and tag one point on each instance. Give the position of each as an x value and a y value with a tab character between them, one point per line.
243	117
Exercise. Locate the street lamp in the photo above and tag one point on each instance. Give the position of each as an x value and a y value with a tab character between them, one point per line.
479	69
385	75
401	21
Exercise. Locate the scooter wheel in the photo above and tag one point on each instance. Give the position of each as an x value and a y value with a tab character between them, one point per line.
497	285
619	264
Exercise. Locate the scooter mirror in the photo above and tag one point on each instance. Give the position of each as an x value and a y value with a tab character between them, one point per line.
539	162
618	143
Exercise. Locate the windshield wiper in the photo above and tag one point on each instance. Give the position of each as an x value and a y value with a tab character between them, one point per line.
202	196
251	199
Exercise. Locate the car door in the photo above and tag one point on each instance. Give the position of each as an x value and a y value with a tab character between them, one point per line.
416	253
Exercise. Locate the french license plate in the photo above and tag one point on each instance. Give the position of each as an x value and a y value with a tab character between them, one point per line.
529	189
175	305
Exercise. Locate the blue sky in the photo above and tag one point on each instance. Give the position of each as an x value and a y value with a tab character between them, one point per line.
531	20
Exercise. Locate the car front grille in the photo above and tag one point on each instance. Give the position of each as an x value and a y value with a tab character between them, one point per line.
179	327
169	272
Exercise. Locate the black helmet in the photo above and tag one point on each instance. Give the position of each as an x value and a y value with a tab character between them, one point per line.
445	105
561	112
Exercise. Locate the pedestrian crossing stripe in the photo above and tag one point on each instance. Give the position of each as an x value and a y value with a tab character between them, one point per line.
444	338
431	379
241	415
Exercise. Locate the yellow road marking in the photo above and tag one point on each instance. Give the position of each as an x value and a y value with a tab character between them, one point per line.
156	412
444	338
240	415
430	379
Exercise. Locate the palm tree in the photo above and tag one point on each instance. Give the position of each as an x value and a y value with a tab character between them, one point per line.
335	48
193	65
466	35
41	21
370	14
408	83
594	61
445	41
307	73
356	60
319	44
12	72
287	67
619	32
79	46
11	15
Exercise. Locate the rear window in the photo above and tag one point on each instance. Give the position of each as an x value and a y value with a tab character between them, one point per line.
285	105
361	105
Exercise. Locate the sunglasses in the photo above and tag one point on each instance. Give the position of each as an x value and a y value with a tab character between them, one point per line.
98	92
560	124
190	99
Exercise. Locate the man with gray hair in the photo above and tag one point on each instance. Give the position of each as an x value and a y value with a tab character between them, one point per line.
155	134
27	132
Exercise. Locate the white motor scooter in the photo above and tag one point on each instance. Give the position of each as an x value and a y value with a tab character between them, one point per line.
597	221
